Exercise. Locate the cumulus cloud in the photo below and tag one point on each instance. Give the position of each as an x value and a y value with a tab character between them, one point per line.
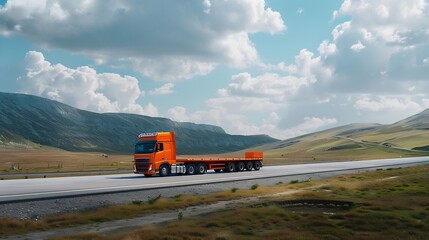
382	49
395	36
163	90
357	47
266	92
266	85
385	103
307	66
237	123
309	124
82	87
166	40
264	95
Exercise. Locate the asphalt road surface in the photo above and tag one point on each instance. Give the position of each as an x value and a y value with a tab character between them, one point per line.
31	189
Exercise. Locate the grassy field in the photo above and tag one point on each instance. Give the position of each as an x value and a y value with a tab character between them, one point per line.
387	204
384	204
351	142
38	160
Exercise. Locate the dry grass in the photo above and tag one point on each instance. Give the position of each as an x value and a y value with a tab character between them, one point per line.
387	204
55	160
136	208
392	203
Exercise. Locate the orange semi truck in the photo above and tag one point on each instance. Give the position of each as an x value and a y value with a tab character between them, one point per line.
155	153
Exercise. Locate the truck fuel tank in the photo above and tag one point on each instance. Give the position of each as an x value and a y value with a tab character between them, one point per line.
178	169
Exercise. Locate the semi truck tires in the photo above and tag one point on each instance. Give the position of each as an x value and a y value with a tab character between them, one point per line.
164	170
239	167
190	169
249	166
201	168
257	165
230	167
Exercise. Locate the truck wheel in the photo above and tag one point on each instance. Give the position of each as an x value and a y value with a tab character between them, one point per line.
239	167
230	167
164	170
217	170
257	165
190	169
201	168
249	166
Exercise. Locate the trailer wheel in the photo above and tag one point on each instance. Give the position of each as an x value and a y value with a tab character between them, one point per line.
164	170
217	170
201	168
190	169
257	165
230	167
239	167
249	166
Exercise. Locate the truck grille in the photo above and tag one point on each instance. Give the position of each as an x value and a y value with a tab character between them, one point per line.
142	164
142	160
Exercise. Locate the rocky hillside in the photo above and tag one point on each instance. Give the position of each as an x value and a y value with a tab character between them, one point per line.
31	120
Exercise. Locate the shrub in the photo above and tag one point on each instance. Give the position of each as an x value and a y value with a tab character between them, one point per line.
153	200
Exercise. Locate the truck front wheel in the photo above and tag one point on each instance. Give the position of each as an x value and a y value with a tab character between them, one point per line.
190	169
164	170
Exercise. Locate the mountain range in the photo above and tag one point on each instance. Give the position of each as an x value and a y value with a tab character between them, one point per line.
34	121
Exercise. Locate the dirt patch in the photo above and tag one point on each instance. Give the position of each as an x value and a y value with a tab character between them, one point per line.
310	205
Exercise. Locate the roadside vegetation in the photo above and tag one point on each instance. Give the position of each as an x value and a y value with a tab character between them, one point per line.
50	160
384	204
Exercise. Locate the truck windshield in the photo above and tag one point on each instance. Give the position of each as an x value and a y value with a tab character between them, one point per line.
145	147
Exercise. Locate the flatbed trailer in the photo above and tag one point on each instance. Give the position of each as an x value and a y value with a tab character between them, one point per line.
155	153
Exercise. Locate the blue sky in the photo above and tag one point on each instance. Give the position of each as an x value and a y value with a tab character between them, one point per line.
282	68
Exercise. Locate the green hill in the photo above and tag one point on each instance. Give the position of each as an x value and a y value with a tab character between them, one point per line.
409	137
27	120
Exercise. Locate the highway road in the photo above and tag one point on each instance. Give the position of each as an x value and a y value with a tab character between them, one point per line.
32	189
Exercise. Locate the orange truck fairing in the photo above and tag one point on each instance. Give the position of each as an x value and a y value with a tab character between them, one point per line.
155	153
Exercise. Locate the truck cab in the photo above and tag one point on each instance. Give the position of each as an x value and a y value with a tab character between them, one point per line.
153	150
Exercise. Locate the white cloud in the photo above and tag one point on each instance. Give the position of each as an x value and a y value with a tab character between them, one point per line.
236	123
340	30
384	103
163	40
266	92
326	49
393	45
310	124
269	85
300	11
308	67
82	87
251	105
357	47
163	90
